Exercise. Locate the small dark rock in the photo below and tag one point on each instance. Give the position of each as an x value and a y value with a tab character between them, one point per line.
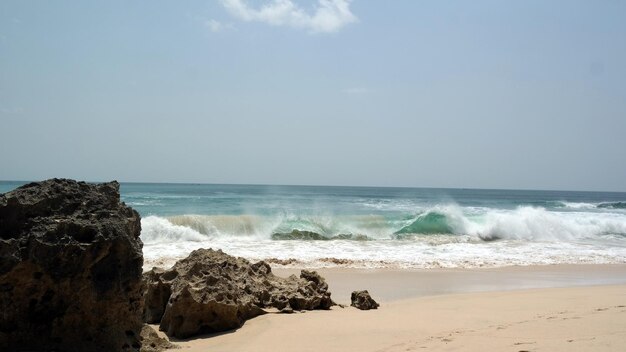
299	235
363	301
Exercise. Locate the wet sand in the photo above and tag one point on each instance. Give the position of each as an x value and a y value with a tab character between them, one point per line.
394	284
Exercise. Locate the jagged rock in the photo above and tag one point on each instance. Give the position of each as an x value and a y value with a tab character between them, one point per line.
299	235
211	291
70	268
349	236
314	236
362	300
152	342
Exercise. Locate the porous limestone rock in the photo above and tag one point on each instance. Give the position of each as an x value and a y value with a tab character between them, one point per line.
70	268
211	291
152	342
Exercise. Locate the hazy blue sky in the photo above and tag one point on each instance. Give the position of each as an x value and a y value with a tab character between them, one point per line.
488	94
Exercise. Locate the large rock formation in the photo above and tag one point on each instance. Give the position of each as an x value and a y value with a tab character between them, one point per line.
70	268
211	291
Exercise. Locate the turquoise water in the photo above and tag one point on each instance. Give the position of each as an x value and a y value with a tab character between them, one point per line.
379	227
176	199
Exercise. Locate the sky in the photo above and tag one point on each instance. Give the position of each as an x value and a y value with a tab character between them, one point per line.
473	94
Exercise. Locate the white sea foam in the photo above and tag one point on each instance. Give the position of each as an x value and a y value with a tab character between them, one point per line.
538	224
579	205
400	254
155	230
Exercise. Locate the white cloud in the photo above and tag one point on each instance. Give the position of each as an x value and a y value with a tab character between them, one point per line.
328	16
214	26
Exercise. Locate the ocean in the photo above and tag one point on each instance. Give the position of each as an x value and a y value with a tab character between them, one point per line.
372	227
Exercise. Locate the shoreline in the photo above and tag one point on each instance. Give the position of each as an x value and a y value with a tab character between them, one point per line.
391	284
556	308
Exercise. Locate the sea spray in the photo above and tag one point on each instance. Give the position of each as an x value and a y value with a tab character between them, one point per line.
155	229
521	236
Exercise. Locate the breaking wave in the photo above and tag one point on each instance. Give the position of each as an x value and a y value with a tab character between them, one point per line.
442	236
583	205
614	205
433	222
160	230
523	223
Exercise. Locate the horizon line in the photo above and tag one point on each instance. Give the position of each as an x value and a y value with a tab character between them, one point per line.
319	185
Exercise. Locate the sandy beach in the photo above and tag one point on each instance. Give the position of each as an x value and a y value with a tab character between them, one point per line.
549	308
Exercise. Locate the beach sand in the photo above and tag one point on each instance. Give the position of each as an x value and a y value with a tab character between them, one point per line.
546	308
